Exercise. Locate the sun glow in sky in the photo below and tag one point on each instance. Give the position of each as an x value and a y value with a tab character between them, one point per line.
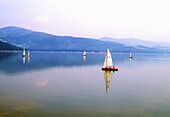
141	19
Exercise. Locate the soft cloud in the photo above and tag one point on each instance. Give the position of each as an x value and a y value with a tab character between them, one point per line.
143	19
41	19
25	25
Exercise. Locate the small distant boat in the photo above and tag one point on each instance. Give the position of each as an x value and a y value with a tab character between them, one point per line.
23	55
84	54
108	64
28	54
130	56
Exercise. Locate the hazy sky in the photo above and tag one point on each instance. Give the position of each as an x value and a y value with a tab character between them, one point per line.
141	19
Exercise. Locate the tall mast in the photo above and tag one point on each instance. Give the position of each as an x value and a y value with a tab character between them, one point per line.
106	56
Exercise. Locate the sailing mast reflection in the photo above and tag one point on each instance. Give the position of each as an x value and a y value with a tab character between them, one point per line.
108	78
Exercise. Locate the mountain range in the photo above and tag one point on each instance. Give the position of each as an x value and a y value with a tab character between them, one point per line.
34	40
6	46
138	42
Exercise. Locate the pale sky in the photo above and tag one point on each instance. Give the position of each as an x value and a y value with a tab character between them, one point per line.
141	19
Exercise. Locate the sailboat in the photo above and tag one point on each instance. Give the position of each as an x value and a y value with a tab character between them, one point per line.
108	62
84	54
28	54
130	56
108	78
23	55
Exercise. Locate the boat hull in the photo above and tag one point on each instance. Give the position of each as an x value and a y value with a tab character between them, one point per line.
110	69
131	57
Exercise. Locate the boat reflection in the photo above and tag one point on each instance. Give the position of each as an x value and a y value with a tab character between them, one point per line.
28	56
108	78
23	60
84	57
28	59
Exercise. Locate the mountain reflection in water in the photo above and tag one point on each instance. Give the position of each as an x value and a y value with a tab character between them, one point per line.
43	60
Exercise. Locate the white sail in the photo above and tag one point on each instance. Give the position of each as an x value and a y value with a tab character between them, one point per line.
104	63
24	52
108	78
130	54
84	53
108	59
28	53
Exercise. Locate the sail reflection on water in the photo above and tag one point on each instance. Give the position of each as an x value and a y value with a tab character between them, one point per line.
84	57
28	59
108	78
23	60
28	56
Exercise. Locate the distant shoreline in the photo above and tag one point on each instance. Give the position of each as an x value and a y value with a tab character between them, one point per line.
91	52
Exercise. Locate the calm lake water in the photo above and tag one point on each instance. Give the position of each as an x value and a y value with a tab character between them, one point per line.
65	85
